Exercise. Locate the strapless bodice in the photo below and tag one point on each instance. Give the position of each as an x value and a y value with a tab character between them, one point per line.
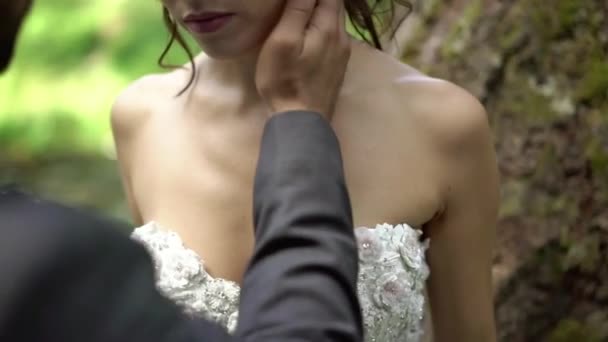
391	281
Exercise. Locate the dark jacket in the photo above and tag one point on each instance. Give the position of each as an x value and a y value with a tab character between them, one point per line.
68	275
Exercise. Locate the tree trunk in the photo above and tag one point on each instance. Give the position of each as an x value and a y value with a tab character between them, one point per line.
541	69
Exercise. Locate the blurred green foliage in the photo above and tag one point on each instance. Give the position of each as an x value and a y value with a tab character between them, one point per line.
73	58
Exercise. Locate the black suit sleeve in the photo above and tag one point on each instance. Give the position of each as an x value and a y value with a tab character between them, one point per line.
301	283
67	275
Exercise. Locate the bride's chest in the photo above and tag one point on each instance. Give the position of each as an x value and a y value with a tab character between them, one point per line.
209	173
179	168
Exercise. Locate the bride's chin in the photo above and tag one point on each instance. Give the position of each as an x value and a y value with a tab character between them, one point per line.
220	56
228	53
240	46
225	55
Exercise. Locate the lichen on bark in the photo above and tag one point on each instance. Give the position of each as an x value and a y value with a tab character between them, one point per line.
541	70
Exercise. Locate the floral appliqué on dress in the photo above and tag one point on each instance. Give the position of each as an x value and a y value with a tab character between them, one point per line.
391	284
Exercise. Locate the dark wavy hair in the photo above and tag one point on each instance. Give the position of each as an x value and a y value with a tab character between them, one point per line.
369	18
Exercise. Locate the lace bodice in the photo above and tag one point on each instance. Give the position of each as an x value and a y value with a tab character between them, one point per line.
391	280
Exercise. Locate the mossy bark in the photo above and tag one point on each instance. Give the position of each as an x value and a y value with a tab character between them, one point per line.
541	70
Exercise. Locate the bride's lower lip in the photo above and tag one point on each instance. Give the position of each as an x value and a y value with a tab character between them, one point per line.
208	25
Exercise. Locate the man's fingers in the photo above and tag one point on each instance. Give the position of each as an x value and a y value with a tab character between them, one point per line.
342	22
323	30
325	18
294	21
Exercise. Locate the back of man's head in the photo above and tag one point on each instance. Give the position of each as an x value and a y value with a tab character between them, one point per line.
13	13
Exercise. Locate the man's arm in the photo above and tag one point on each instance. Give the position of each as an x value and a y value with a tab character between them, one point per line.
301	285
70	276
59	261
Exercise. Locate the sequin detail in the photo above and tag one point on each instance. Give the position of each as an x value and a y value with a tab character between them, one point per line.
181	276
391	282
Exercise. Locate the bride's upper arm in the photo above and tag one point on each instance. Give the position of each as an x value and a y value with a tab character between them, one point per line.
462	235
128	113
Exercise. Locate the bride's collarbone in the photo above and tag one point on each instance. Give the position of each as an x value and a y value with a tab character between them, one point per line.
218	160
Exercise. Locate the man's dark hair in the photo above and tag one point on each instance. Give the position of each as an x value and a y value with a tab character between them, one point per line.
13	13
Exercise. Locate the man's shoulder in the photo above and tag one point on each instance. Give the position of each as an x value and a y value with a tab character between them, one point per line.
25	212
40	233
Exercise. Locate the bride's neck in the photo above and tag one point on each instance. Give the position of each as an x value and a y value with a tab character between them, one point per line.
232	81
234	77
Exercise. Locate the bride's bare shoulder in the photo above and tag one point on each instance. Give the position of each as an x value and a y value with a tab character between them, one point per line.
137	102
439	107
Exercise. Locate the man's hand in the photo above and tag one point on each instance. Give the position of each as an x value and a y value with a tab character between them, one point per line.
303	62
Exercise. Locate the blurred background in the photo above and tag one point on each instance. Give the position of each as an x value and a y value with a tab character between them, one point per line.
73	58
540	68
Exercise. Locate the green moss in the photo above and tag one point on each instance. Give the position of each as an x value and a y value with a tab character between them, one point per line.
529	103
458	37
553	20
472	12
595	80
510	37
598	156
512	201
433	9
567	12
412	50
570	330
584	255
564	206
550	259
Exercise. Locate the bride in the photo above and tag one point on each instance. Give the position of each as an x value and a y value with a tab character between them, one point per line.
418	158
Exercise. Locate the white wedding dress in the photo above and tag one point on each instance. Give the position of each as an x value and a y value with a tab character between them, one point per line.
391	283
